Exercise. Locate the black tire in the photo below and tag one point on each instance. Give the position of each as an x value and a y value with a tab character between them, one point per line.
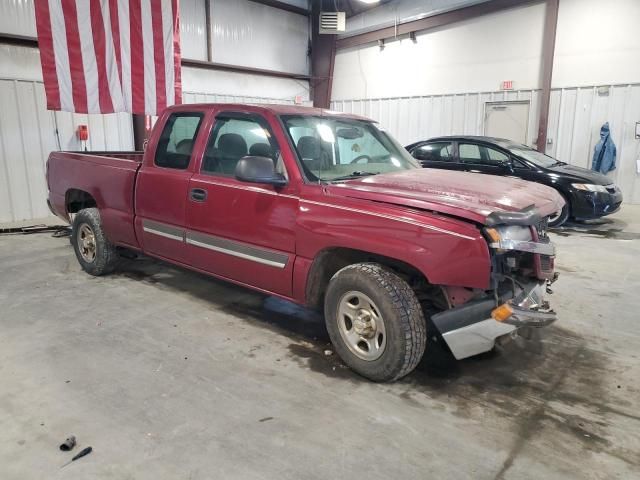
404	323
105	257
564	214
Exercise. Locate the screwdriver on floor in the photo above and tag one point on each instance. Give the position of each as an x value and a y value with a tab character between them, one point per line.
83	453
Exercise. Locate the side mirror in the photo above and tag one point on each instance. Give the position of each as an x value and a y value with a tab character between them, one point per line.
507	165
254	169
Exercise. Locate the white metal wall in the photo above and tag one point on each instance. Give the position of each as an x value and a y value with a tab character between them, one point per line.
575	118
28	134
253	35
204	97
18	17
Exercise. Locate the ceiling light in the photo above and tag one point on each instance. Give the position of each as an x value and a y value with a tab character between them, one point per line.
369	1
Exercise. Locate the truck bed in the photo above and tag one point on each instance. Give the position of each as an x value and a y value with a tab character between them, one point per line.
107	178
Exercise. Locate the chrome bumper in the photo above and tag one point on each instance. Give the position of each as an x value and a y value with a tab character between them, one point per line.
470	329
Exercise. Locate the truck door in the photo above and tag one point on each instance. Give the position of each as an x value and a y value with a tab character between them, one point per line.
241	231
163	183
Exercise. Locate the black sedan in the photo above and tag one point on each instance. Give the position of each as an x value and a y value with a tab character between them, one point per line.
587	194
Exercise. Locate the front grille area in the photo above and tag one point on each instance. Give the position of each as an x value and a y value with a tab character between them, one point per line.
546	263
542	228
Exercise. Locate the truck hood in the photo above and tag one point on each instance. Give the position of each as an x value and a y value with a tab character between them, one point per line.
471	196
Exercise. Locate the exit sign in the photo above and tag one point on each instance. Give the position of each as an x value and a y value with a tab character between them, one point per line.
506	85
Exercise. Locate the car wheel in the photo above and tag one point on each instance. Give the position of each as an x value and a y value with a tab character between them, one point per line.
562	216
375	322
94	252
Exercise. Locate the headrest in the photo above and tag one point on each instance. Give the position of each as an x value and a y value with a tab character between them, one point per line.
184	146
261	150
309	148
232	145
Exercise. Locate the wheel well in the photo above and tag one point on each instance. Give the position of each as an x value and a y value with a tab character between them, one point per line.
329	261
76	200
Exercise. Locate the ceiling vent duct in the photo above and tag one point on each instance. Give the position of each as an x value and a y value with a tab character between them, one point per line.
332	22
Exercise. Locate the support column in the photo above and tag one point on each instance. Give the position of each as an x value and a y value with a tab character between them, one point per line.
548	49
323	54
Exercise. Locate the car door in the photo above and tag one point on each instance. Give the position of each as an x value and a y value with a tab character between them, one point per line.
480	158
436	155
162	184
241	231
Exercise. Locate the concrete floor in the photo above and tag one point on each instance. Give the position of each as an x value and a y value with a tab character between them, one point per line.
169	374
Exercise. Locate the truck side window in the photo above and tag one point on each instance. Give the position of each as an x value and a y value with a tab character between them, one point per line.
237	136
177	140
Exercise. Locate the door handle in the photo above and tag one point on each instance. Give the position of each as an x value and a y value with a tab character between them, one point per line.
198	195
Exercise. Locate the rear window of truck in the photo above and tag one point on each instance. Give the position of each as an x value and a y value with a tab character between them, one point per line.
177	140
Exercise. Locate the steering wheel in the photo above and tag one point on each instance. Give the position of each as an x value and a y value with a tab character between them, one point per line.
362	157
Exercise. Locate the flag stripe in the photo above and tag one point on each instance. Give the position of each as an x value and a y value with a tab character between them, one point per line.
149	62
176	51
111	66
137	57
76	66
61	53
89	63
125	47
158	49
47	57
115	33
100	47
167	34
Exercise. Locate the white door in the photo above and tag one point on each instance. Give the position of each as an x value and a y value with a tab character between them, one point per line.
507	120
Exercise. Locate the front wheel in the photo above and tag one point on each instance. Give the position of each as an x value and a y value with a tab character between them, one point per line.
559	218
375	322
94	252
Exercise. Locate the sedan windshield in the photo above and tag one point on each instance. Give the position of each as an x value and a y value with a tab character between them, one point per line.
535	157
332	149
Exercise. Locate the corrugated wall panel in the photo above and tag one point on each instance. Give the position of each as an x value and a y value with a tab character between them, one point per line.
28	134
202	97
17	17
575	118
193	37
247	33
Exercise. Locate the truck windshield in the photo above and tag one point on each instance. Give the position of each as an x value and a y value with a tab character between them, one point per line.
332	149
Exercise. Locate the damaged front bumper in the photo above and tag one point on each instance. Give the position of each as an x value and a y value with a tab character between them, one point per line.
474	327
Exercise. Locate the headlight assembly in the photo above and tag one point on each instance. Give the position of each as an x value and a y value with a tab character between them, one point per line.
516	237
589	187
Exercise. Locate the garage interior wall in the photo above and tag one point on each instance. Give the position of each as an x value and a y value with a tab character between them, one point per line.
243	33
439	85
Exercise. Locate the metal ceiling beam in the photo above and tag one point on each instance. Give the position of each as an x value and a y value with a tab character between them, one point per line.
433	21
283	6
548	50
323	55
241	69
19	40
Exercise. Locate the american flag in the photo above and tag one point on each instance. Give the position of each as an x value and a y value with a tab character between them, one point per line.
105	56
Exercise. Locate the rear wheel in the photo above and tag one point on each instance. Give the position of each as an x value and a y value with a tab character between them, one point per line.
94	252
375	322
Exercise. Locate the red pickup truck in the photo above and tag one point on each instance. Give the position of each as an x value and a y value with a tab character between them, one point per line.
326	210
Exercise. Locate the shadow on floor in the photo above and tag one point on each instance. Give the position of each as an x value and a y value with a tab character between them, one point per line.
606	227
517	381
497	370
